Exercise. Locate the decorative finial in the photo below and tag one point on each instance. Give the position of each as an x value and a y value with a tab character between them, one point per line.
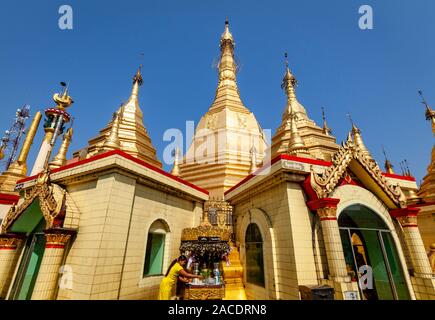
138	76
286	59
326	129
402	168
423	101
430	114
388	165
408	171
349	116
289	82
227	37
63	100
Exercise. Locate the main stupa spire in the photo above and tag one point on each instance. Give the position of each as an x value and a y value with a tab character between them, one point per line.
227	90
222	149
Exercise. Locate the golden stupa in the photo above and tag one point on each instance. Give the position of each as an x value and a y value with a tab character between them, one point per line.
227	137
298	134
127	127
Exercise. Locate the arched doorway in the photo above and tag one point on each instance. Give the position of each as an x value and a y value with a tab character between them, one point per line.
31	223
371	255
254	256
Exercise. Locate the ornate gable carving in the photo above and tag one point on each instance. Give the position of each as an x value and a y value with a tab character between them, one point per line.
51	198
323	184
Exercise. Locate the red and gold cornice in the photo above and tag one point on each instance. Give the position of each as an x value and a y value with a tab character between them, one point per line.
10	241
326	208
407	217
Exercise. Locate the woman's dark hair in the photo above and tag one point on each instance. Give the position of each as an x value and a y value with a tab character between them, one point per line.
179	259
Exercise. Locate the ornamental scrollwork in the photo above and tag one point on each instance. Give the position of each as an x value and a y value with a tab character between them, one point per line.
43	191
323	184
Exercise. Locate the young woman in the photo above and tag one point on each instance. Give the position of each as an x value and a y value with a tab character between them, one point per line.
175	270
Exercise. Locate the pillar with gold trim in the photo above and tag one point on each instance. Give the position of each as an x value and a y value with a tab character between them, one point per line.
424	279
10	245
326	209
48	275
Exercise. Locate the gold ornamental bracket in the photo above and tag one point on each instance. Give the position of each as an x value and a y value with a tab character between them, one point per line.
353	155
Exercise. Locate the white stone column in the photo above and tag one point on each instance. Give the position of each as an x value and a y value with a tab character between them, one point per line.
338	278
10	245
47	280
424	279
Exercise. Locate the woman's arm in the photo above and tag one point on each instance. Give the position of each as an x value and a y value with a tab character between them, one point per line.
188	275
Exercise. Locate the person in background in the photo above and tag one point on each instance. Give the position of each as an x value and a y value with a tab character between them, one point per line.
175	271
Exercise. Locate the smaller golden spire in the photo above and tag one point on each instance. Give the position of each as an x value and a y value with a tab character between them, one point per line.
60	159
176	168
357	138
289	82
18	169
296	145
326	130
112	141
388	165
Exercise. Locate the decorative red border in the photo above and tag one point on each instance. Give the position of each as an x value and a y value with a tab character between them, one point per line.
405	212
396	176
323	203
8	198
124	155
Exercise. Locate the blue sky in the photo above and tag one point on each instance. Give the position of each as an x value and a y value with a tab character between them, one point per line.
374	74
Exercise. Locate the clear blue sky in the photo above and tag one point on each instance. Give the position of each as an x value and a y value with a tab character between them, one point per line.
374	74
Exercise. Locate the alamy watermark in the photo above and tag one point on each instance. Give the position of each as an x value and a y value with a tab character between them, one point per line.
66	278
66	19
366	277
366	20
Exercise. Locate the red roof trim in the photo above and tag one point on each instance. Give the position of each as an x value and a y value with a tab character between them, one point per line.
275	160
396	176
124	155
8	198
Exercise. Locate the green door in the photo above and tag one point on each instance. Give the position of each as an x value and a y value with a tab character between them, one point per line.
368	242
29	267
